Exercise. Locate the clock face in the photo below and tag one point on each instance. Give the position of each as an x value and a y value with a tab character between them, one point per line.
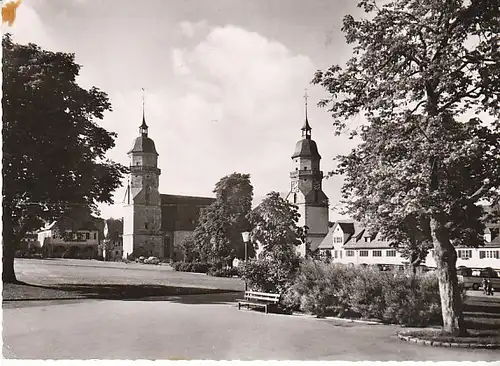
295	186
317	185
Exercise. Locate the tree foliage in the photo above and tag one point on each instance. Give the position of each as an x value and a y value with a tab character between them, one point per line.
53	150
274	226
275	230
218	234
426	75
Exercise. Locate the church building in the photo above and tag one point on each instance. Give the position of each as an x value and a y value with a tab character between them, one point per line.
306	188
155	224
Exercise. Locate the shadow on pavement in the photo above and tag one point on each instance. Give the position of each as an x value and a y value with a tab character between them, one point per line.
27	292
482	313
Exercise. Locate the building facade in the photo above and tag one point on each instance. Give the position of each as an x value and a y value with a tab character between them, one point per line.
306	190
155	224
70	238
349	242
112	244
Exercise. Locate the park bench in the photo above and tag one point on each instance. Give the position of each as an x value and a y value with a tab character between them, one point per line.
259	299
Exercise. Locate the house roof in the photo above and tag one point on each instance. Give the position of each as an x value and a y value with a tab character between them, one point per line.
327	242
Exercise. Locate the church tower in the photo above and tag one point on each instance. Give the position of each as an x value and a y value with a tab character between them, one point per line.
142	215
306	187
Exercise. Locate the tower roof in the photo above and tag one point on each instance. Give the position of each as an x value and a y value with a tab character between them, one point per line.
143	144
306	148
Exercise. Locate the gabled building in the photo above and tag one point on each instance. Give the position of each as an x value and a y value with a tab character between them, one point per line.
349	242
76	235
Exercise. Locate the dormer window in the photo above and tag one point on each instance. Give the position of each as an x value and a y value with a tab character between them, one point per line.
367	239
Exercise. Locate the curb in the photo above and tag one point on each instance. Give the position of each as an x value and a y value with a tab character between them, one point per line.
426	342
348	320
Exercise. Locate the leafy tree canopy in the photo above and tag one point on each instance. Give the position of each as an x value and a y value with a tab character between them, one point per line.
426	75
274	224
53	149
218	235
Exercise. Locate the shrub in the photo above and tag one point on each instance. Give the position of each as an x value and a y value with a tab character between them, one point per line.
320	289
413	301
334	289
223	272
366	294
269	275
198	267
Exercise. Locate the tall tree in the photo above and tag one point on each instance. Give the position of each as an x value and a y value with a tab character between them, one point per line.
426	74
218	235
53	150
275	230
274	227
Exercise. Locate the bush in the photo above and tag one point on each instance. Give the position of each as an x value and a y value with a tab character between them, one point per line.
197	267
334	289
320	289
367	292
268	275
223	272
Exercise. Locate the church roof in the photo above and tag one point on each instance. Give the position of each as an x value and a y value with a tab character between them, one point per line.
306	148
143	144
181	213
168	199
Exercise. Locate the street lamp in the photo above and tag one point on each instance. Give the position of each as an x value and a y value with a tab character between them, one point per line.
246	238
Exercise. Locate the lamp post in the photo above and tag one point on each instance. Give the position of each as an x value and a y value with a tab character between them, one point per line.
246	238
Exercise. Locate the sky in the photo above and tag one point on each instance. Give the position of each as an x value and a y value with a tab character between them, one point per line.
224	81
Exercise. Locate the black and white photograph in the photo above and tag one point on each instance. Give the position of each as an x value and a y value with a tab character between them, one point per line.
251	180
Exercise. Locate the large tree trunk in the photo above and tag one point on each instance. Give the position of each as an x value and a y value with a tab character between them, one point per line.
451	300
8	273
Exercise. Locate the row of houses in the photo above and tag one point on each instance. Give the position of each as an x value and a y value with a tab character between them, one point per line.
83	237
349	242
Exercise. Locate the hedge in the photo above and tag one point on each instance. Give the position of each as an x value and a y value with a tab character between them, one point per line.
335	289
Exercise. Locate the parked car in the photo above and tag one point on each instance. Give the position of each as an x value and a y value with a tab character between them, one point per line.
152	260
141	259
473	278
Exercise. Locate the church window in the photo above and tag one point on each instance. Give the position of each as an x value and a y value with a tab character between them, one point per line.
295	198
145	225
87	236
296	168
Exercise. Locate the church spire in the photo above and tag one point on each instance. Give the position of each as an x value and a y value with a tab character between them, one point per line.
306	129
143	129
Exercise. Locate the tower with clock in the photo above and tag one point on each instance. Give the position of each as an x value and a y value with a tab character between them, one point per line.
306	187
142	231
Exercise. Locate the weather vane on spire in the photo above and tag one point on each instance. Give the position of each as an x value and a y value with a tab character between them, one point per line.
306	96
144	127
